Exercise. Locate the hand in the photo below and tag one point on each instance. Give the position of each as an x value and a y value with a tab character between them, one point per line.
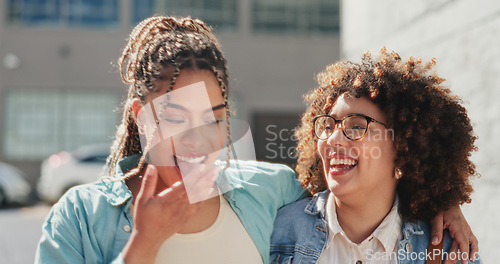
460	231
159	216
200	184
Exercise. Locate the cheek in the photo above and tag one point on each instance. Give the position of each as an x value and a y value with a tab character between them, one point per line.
320	148
215	135
381	155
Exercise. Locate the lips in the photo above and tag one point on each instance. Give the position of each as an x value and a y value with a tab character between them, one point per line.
340	164
188	161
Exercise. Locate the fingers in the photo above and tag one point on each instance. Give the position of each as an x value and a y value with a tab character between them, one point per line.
200	184
148	184
461	239
196	186
437	229
452	256
173	172
474	247
464	252
461	233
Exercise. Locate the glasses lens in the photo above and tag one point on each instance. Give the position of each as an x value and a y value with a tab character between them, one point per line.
355	127
324	126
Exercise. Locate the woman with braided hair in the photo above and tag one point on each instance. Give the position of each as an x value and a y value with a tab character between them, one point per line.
161	204
175	122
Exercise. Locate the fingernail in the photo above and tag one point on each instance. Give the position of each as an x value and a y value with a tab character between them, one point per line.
214	178
177	183
435	240
216	171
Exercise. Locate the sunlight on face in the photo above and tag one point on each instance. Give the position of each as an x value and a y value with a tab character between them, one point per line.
361	169
191	122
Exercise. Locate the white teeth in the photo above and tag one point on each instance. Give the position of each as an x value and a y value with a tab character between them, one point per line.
191	160
336	161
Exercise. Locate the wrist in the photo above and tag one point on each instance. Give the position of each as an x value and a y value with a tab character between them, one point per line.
140	249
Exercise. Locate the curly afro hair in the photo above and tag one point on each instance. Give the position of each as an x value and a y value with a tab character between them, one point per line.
433	137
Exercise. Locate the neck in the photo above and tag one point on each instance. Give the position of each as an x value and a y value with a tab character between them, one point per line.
204	217
360	218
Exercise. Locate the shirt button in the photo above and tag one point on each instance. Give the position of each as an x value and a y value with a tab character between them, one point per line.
408	247
359	262
126	228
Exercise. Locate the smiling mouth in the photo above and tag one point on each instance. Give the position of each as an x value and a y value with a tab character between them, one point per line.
192	160
187	162
339	166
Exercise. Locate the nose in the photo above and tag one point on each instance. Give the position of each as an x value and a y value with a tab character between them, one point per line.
193	138
337	137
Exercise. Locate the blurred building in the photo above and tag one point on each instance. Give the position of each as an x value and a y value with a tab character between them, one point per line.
464	37
59	84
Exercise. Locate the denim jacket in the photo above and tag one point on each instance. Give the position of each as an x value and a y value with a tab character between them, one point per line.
92	223
301	231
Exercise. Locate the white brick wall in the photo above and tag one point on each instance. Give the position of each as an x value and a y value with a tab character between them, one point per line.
464	37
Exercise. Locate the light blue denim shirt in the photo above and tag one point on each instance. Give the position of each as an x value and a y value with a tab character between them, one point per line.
300	234
92	223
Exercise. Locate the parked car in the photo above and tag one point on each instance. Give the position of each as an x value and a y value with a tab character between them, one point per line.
63	170
14	188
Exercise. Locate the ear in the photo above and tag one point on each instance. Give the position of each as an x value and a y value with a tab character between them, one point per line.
136	107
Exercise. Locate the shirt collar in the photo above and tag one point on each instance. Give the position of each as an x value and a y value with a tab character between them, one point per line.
127	163
118	192
317	204
331	217
387	232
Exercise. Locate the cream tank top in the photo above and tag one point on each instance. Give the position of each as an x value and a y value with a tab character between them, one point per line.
226	241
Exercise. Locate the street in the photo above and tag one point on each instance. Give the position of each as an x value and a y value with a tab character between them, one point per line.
20	230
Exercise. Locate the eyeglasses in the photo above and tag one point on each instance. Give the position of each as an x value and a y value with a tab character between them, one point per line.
354	126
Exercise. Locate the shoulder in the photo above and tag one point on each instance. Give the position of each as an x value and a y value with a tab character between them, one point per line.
292	219
258	171
88	193
85	200
260	167
268	182
300	232
296	209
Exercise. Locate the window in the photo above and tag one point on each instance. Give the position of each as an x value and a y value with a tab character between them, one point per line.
274	137
39	123
294	16
64	13
220	14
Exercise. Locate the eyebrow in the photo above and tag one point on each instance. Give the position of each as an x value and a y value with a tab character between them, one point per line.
180	107
337	118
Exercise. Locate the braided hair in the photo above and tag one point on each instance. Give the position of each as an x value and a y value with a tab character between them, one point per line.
163	44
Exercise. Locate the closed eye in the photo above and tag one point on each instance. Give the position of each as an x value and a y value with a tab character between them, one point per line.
215	122
173	119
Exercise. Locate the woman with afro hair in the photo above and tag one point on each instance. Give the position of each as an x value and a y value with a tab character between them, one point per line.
383	148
